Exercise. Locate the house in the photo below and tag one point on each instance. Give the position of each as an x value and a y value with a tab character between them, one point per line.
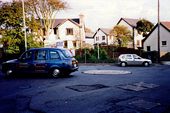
150	43
103	36
89	39
67	33
131	25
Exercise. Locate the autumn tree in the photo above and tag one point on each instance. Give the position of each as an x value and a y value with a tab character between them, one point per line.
11	25
45	11
144	26
122	34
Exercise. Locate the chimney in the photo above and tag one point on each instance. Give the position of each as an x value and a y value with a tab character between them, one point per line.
81	17
82	27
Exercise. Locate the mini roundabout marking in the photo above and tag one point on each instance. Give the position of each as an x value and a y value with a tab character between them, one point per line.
106	72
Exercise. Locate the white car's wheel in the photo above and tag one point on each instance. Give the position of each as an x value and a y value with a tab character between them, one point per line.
123	64
146	64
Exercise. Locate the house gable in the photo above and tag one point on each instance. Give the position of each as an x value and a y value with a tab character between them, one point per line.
129	21
152	38
59	22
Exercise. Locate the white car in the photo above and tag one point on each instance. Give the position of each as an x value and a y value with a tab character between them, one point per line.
133	59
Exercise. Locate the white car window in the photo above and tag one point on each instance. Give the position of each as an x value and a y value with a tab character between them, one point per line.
129	57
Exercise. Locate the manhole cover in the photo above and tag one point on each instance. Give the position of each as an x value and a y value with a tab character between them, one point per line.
132	87
106	72
139	103
138	86
84	88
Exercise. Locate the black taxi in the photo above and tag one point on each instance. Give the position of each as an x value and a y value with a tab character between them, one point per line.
53	61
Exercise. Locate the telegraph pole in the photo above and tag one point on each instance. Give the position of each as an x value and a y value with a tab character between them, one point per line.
158	32
25	35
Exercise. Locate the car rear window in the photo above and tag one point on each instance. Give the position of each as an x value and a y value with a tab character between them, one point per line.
67	53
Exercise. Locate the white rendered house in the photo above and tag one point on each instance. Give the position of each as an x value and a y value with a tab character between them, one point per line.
131	25
69	33
103	36
150	43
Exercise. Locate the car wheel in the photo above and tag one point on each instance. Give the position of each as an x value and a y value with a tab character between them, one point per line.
8	73
146	64
123	64
55	73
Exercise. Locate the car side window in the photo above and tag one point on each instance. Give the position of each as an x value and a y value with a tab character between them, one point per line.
54	55
40	55
27	55
136	57
129	57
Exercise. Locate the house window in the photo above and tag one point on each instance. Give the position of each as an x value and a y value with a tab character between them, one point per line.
97	38
69	31
74	44
65	44
138	42
103	37
148	48
164	43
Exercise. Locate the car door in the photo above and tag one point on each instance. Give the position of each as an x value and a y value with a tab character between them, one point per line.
129	59
25	64
55	59
40	57
137	60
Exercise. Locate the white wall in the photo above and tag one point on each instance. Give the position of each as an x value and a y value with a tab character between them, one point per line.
152	40
62	36
100	34
89	41
136	35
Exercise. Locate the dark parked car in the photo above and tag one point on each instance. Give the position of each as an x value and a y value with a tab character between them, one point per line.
53	61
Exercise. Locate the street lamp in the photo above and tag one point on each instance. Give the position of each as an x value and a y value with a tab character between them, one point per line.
158	32
25	36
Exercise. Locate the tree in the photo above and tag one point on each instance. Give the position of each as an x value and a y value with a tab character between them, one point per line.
122	34
144	27
45	10
11	25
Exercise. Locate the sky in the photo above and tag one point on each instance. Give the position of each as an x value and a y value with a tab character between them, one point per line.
106	13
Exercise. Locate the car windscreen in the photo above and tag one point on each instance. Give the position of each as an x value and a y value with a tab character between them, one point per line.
67	53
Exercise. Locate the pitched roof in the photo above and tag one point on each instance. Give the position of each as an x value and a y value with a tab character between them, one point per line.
106	30
166	25
61	21
89	35
130	21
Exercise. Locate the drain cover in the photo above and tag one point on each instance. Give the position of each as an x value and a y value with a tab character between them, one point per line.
84	88
139	103
138	86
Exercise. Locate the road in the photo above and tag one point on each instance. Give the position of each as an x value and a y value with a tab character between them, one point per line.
144	89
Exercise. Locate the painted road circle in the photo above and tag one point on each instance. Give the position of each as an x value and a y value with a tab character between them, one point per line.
106	72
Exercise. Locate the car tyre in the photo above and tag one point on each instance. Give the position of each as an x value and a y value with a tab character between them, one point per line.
123	64
55	73
146	64
8	73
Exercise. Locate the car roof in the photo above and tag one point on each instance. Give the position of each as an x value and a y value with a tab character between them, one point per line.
128	54
48	49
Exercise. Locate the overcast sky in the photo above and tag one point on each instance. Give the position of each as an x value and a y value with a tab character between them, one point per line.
106	13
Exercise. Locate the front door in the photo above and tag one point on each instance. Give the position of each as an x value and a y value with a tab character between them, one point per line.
25	64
